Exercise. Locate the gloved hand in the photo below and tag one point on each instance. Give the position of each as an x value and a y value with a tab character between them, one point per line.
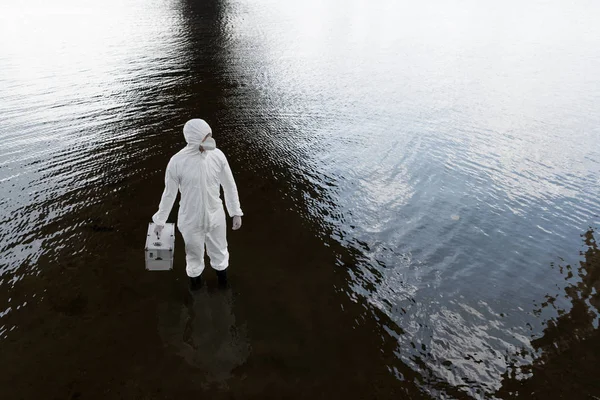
237	222
158	229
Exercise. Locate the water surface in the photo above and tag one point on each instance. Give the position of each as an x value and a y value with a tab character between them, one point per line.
416	179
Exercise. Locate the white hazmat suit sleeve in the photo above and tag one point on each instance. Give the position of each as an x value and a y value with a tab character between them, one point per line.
232	200
168	197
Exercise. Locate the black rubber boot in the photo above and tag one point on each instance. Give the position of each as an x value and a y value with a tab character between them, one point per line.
195	283
222	277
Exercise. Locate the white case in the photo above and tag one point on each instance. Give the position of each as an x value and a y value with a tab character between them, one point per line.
160	249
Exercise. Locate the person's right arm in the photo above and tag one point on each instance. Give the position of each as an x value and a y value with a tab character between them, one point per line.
168	196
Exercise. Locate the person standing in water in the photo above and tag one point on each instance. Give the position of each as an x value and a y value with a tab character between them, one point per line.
198	171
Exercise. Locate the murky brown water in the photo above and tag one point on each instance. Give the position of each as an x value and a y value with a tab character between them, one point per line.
416	181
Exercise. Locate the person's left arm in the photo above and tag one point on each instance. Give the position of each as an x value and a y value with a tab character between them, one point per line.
232	200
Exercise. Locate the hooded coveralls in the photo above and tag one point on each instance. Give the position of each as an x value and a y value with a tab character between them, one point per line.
198	176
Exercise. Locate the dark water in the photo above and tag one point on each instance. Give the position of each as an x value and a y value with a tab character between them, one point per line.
420	185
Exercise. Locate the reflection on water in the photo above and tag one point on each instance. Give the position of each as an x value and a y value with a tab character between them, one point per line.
452	148
443	153
69	89
204	333
566	355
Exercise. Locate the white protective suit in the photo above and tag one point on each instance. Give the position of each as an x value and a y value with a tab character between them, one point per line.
201	220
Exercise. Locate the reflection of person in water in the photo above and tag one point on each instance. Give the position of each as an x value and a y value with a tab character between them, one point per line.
203	332
568	364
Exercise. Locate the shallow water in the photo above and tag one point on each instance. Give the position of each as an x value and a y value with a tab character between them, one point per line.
412	176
